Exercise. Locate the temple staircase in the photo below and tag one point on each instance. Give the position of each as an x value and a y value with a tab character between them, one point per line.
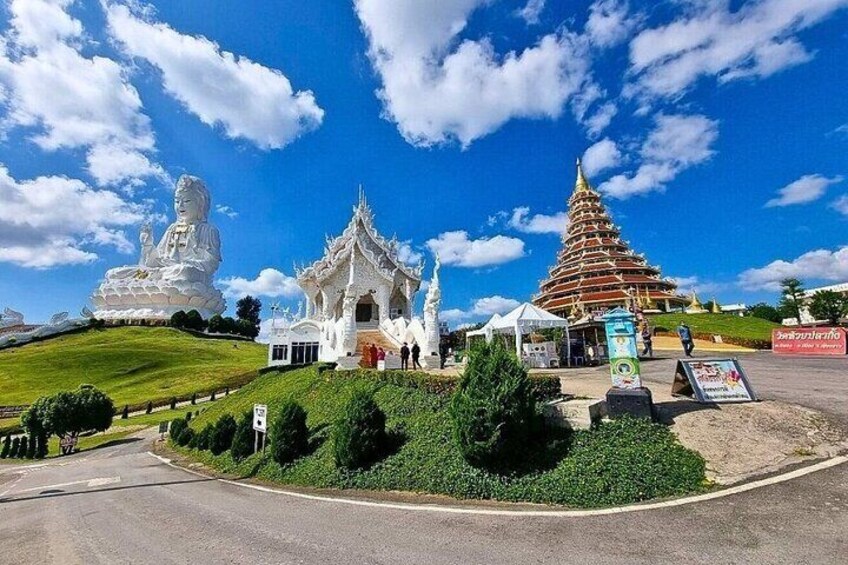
376	337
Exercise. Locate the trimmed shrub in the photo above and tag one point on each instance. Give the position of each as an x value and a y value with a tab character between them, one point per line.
494	409
204	438
212	397
359	437
227	391
222	435
177	427
178	319
194	321
243	441
173	403
126	413
7	447
23	447
187	437
41	448
194	399
188	417
289	434
149	408
16	444
30	449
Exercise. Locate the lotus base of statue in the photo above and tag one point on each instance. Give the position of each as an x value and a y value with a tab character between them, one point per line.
155	300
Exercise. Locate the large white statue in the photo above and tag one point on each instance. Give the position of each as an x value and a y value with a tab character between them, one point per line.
174	275
432	303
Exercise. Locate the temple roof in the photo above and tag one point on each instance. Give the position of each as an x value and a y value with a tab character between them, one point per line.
595	266
360	235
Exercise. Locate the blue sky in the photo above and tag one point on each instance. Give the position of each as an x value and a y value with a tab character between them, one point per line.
718	131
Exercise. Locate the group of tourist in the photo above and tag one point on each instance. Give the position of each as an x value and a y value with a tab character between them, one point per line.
683	332
372	355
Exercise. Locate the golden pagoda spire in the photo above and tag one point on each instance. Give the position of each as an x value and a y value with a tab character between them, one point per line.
582	183
715	308
694	303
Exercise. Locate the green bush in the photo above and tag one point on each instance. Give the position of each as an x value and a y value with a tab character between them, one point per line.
23	447
176	428
149	408
359	437
493	411
16	444
204	438
624	461
30	449
222	435
126	413
187	437
289	434
243	441
178	319
41	448
7	447
173	404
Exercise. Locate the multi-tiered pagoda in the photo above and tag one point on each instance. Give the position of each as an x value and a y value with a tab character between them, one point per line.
596	270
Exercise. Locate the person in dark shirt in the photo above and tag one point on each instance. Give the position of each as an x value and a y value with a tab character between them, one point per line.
685	335
373	356
647	339
404	357
416	354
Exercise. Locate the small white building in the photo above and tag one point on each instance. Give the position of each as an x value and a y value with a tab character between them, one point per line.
735	309
806	317
359	285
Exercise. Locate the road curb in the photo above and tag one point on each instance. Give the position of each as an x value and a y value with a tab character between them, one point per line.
439	508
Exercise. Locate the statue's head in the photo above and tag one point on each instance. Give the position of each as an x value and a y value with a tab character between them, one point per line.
192	200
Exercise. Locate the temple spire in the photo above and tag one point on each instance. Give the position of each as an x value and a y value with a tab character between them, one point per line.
582	183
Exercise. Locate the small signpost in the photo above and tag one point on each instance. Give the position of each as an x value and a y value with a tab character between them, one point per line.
163	429
712	381
260	424
67	444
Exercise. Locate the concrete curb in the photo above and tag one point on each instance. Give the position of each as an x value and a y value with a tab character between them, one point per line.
781	478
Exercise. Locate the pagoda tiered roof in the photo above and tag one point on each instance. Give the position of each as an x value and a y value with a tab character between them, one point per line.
595	268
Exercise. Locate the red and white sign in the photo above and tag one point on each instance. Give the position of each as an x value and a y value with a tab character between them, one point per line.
809	341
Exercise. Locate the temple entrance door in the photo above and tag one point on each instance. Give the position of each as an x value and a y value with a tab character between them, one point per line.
363	312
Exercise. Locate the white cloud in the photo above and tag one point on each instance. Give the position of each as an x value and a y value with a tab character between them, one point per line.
609	22
756	40
806	189
226	211
270	282
522	221
688	285
247	99
455	248
69	101
438	88
601	156
408	255
841	204
821	264
598	122
675	144
481	308
52	221
843	129
531	11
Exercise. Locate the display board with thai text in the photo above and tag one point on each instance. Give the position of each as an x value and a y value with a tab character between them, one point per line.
712	381
809	341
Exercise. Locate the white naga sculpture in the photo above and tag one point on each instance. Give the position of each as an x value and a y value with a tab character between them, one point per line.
432	304
174	275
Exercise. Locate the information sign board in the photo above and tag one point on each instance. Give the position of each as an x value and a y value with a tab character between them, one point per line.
809	341
712	381
621	342
260	417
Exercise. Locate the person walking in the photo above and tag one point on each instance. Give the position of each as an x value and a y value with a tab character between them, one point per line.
648	340
685	335
373	356
443	354
404	357
416	354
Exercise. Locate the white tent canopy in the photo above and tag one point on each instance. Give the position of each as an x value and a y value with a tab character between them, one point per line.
524	319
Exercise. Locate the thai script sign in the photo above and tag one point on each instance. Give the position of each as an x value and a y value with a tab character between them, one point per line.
809	341
712	380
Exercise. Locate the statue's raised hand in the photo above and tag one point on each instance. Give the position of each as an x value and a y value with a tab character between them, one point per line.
146	235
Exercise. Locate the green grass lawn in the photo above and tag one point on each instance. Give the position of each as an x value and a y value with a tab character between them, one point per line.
585	469
133	365
726	325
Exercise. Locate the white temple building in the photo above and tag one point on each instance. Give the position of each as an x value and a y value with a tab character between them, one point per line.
359	292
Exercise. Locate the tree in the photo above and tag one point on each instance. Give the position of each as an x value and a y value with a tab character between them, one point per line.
493	409
41	447
249	309
765	312
216	324
359	438
176	428
204	438
126	413
149	408
247	329
194	321
289	434
222	435
791	298
829	305
178	319
69	413
173	404
244	439
7	446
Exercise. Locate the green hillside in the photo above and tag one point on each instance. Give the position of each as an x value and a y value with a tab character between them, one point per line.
726	325
133	365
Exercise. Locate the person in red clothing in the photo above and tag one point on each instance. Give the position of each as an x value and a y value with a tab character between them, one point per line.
373	356
365	362
381	355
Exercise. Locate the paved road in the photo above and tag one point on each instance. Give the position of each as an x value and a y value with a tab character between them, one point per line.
119	505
